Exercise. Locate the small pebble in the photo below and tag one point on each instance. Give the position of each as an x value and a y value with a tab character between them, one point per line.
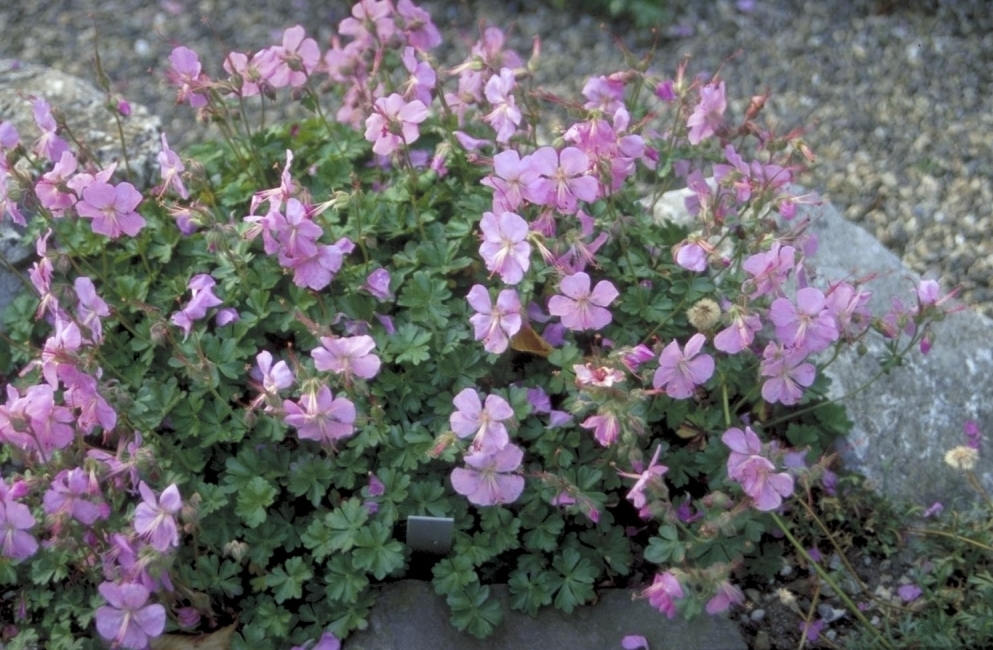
758	615
762	641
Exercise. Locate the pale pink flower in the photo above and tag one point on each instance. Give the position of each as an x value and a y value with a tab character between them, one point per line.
420	31
393	124
692	257
184	72
769	270
599	376
171	168
511	176
347	356
127	620
706	116
563	179
787	374
422	79
274	377
808	325
487	481
680	371
606	427
739	334
321	416
727	595
505	248
494	324
70	494
90	308
155	517
753	471
486	424
369	17
663	593
505	116
15	520
112	209
291	63
49	145
651	475
582	309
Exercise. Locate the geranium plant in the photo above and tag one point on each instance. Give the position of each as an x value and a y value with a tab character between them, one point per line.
233	388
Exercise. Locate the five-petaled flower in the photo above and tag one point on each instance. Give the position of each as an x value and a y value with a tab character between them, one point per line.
582	309
494	324
321	416
155	517
486	424
112	209
394	122
505	248
127	620
663	592
487	481
680	371
753	471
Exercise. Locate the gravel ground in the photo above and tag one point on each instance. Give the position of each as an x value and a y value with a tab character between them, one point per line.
897	96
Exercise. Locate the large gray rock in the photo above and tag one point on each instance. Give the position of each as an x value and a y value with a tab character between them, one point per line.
409	616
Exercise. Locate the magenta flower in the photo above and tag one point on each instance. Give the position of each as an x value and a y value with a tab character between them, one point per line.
83	394
634	642
663	592
49	145
787	374
909	593
580	308
706	117
487	482
563	179
321	417
471	418
155	520
112	209
808	325
680	371
494	324
47	424
15	519
505	248
378	284
753	471
769	270
347	356
126	620
393	123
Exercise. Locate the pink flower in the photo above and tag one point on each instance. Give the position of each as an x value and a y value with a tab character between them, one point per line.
420	31
253	72
112	209
808	326
652	474
563	179
274	377
769	270
154	518
321	417
347	356
505	116
692	257
787	374
909	593
494	324
487	482
185	73
580	308
681	371
369	17
83	394
393	124
727	594
755	472
706	117
422	79
15	519
471	418
49	145
739	334
634	642
511	176
171	169
663	592
126	620
599	376
201	286
8	206
378	284
606	427
90	308
70	494
505	248
291	63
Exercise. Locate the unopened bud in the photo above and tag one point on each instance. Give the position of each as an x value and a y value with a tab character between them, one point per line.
236	549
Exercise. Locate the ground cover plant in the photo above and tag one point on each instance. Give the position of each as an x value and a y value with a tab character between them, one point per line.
227	393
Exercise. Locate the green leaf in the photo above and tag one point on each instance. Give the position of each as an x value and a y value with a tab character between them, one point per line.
574	582
427	298
311	476
253	500
452	574
344	582
288	583
529	591
376	551
474	612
